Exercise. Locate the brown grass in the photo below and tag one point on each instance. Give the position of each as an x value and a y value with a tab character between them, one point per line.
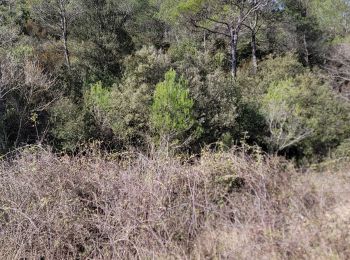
226	205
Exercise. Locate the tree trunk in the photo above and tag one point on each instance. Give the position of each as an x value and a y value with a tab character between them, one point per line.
64	34
3	139
65	44
306	51
234	42
254	59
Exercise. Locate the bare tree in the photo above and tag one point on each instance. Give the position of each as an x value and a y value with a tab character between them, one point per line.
10	75
26	89
36	94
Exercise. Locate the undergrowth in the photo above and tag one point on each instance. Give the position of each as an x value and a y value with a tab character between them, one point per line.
223	205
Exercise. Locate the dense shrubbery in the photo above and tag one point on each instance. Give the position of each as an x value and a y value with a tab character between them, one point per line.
224	205
95	74
168	122
285	108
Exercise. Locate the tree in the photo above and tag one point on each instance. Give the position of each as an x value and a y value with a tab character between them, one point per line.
259	19
338	67
171	112
304	112
57	16
283	115
215	95
222	18
303	25
26	92
332	15
133	96
103	38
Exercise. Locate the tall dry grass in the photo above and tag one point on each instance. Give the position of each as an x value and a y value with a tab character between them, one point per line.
226	205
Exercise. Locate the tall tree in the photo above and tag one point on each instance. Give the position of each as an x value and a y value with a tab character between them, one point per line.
224	18
57	16
305	28
104	38
260	17
332	15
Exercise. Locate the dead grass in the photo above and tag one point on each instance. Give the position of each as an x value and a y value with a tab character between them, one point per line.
223	206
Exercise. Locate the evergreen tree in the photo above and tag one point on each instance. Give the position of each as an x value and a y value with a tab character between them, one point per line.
171	113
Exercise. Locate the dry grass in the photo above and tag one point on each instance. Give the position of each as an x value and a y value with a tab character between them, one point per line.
223	206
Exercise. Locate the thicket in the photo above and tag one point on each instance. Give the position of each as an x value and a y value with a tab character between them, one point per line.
166	124
224	205
139	74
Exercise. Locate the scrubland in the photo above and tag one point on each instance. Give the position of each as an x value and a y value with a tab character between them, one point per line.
234	204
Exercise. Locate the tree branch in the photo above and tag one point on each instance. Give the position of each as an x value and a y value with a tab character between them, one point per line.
209	30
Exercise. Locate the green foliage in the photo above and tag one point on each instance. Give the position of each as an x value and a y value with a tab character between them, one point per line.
190	6
271	70
304	111
132	98
343	150
104	37
100	116
332	14
216	104
253	88
119	115
112	87
172	109
311	37
98	97
68	123
283	115
215	95
172	10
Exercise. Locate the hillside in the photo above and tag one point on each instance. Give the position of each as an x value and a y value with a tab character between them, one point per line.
174	129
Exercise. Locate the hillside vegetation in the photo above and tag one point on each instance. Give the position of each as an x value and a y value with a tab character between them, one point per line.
225	205
176	75
174	129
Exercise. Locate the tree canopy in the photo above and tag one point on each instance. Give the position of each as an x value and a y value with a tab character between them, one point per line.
128	73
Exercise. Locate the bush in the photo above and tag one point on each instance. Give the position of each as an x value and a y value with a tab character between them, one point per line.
343	150
132	98
68	123
305	111
271	70
301	113
99	102
172	111
215	95
284	116
225	205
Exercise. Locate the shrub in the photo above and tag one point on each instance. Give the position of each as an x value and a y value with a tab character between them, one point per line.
284	116
271	70
225	205
343	150
216	96
132	98
68	123
172	110
306	112
99	101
